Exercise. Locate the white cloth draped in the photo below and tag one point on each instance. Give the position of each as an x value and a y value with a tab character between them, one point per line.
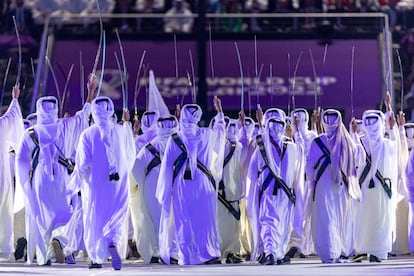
105	202
376	213
228	225
248	147
189	206
332	204
301	236
148	210
401	242
11	126
409	171
271	215
46	201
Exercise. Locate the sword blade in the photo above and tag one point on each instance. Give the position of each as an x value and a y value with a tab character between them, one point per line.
352	81
19	45
65	90
402	80
194	80
6	74
121	49
136	91
103	63
52	71
241	76
294	79
98	52
315	79
82	78
122	80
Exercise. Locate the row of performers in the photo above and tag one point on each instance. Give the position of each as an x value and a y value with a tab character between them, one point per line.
203	195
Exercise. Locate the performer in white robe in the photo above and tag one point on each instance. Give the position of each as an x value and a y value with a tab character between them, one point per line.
156	107
73	231
333	156
409	174
187	191
401	234
148	128
401	237
29	241
272	175
43	169
248	141
301	237
104	157
19	212
378	178
230	192
147	125
11	131
146	173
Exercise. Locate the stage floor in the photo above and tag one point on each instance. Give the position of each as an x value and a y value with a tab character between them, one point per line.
310	266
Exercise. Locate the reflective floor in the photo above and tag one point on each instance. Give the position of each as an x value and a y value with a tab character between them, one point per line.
403	265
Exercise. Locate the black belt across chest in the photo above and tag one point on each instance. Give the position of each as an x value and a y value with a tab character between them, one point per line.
326	157
279	183
68	163
179	163
383	180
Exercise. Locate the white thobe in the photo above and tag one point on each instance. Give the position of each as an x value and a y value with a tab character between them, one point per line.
104	202
271	213
189	206
46	195
11	125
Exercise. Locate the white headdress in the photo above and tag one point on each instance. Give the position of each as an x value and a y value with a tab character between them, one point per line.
340	144
102	111
47	109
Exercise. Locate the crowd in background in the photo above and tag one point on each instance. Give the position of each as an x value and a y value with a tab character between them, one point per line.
30	15
399	12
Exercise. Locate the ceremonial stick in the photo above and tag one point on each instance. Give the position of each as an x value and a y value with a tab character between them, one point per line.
136	91
65	90
241	76
33	70
248	94
255	67
121	74
98	52
176	63
294	79
388	63
256	88
388	81
19	45
82	78
6	74
315	80
211	52
289	90
40	64
192	70
103	63
54	79
352	82
121	49
402	80
321	78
